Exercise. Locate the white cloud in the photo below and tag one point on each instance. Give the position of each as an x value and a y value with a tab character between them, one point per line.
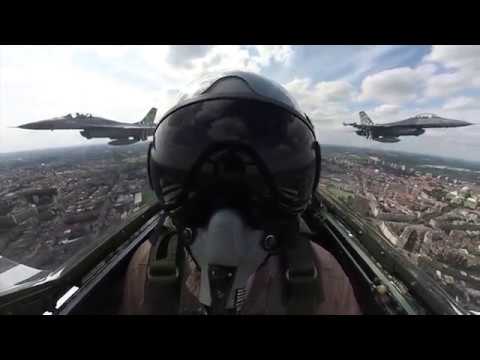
226	57
269	53
424	71
463	64
393	86
183	54
325	102
334	91
461	102
238	57
448	84
397	85
456	56
306	91
387	110
45	84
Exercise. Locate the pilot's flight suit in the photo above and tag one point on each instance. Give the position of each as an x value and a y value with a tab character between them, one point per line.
264	287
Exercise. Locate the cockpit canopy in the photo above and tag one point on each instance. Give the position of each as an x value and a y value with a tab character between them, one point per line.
78	115
425	116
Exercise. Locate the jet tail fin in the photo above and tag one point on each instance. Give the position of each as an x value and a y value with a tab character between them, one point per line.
365	119
149	118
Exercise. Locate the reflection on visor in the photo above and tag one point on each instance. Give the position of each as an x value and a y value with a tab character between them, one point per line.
281	143
280	139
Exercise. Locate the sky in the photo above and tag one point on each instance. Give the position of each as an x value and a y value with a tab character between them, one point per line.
331	83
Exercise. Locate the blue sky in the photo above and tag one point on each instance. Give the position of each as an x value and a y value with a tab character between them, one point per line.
332	83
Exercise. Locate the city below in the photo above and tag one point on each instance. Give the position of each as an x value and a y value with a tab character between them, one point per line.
426	207
56	202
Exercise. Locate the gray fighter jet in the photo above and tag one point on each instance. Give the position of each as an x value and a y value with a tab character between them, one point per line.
413	126
96	127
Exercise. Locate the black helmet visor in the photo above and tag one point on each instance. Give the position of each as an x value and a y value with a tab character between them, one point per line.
282	142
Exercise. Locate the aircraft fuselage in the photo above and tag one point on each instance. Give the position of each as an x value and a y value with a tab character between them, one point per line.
398	132
116	134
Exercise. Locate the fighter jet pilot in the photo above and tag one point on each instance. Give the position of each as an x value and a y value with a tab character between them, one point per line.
235	163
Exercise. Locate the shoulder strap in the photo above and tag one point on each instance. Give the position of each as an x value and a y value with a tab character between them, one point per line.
303	287
164	273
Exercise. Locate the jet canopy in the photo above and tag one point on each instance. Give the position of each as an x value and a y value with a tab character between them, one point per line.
425	116
78	115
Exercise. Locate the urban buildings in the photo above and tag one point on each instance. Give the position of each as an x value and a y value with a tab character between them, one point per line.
432	218
53	205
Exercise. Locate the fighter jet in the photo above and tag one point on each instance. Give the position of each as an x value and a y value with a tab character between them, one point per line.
97	127
413	126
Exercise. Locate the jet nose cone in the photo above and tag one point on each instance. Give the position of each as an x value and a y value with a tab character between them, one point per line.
26	126
38	125
466	123
454	123
462	123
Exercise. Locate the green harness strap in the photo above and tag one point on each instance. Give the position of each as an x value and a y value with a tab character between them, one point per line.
303	290
164	273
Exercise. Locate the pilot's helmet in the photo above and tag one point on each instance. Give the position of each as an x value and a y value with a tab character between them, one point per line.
231	131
